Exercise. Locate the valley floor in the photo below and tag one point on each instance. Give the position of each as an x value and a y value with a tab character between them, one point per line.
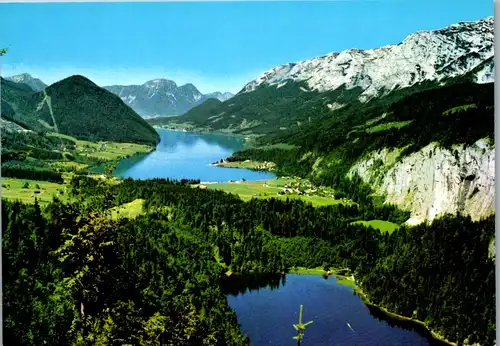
282	188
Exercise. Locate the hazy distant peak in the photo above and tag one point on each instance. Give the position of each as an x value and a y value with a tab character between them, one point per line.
160	83
220	96
25	78
162	96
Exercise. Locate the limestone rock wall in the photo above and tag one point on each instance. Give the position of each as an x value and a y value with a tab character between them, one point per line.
434	181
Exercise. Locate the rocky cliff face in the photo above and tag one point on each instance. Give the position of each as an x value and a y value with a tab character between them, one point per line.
422	56
487	73
434	181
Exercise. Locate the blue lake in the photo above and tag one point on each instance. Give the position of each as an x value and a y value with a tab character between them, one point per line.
267	315
188	155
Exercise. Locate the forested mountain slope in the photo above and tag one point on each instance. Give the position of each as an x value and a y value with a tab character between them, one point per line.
77	107
430	153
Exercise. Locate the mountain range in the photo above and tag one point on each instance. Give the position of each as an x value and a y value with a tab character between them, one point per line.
157	97
289	95
424	55
163	97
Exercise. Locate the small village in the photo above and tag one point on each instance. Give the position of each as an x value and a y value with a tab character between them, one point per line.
303	187
268	166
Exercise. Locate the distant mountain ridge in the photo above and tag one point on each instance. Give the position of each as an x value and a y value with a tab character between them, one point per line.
163	97
221	96
205	110
157	97
25	78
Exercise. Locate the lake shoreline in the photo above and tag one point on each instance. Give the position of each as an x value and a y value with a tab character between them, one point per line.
344	281
248	296
252	165
395	316
100	168
390	315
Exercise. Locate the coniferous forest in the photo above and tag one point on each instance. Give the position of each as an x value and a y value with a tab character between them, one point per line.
73	275
92	258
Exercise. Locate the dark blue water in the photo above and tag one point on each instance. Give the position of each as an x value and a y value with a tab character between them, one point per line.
188	155
267	314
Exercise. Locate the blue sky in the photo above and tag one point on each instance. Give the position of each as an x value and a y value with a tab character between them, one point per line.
216	46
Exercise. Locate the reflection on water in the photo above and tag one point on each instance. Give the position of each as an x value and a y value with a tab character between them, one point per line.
185	155
404	324
176	139
268	305
241	284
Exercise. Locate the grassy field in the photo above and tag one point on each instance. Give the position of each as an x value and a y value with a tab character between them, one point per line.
459	109
383	226
67	165
13	189
340	279
387	126
284	146
307	271
105	150
128	210
113	151
269	189
239	164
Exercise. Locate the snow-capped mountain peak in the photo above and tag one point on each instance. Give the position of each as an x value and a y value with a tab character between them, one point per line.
424	55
